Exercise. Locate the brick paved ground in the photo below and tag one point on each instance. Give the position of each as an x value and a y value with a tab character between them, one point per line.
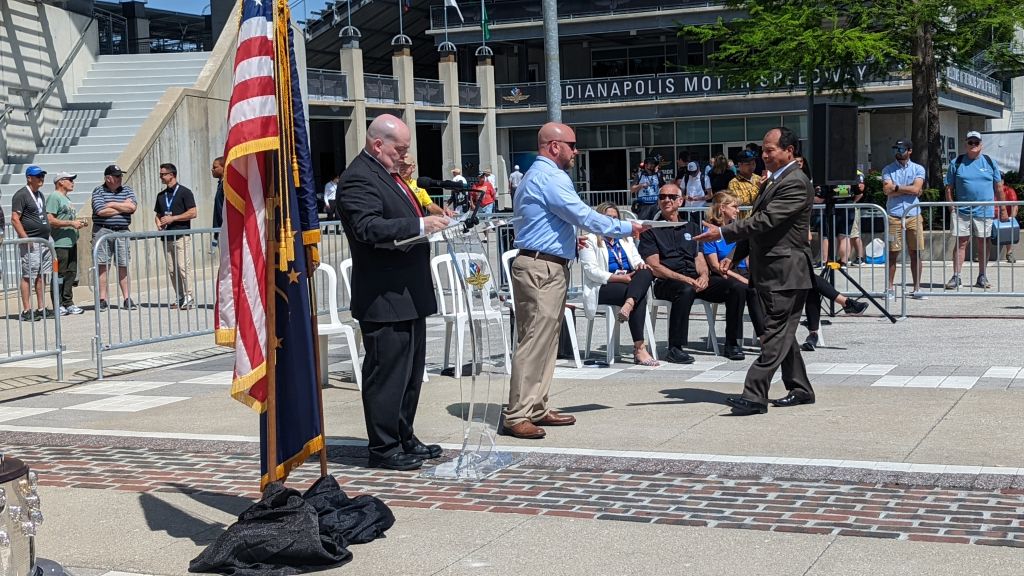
949	508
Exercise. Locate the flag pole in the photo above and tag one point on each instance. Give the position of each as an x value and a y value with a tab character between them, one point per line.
270	198
311	286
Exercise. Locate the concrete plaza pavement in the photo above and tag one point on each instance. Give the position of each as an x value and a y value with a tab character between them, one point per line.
909	463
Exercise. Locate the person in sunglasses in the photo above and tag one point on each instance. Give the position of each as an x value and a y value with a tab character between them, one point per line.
902	182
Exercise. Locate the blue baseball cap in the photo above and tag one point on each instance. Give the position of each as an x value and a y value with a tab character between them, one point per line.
746	156
35	171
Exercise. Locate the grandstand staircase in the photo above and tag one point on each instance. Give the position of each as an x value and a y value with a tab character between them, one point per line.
117	95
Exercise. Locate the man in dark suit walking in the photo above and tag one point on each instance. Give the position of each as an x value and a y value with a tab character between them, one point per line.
775	238
392	293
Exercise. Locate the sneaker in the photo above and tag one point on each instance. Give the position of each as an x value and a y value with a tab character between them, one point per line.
75	310
810	343
890	294
855	306
857	262
63	311
129	305
103	306
918	295
187	303
676	355
953	283
27	316
1010	257
982	282
44	313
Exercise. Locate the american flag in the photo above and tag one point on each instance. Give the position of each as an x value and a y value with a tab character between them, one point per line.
240	316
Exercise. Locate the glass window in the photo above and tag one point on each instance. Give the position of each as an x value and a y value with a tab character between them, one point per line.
661	133
632	134
692	132
591	137
758	126
609	62
616	135
797	124
471	140
728	130
524	140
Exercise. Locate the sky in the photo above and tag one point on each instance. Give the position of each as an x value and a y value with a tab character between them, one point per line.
203	6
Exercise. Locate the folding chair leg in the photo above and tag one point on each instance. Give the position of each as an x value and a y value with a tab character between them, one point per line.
353	351
590	334
448	326
572	337
649	330
612	327
712	337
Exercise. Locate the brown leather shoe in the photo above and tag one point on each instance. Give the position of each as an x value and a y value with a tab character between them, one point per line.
553	418
524	429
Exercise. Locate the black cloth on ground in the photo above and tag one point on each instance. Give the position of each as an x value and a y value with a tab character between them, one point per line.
290	533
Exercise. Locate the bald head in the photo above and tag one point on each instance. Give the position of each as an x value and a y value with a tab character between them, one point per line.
387	140
558	143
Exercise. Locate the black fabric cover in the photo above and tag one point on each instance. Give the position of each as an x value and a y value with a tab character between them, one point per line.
290	533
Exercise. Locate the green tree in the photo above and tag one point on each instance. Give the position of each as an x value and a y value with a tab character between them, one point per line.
801	36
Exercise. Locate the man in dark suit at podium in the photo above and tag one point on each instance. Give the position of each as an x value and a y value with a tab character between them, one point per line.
775	238
392	293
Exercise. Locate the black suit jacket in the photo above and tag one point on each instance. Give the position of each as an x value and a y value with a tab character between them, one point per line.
775	233
389	283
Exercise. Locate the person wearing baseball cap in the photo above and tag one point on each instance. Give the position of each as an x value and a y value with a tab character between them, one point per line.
514	180
973	177
28	216
746	183
64	227
112	207
903	181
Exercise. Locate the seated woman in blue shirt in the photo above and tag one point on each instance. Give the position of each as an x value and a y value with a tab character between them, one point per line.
724	209
615	274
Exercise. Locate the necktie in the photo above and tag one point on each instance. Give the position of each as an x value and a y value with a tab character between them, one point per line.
409	194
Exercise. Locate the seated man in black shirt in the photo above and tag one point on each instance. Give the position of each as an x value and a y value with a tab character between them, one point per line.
681	275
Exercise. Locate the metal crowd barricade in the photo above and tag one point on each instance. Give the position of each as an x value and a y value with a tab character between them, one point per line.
939	222
27	339
850	222
143	259
334	250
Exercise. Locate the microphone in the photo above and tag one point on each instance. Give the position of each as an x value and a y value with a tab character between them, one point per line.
427	182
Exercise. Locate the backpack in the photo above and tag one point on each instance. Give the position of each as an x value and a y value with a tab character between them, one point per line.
960	159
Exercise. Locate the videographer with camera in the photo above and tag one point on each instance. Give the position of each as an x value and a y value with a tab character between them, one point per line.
645	189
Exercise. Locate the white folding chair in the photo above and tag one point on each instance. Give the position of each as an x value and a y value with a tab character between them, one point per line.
708	312
506	265
335	325
455	313
610	314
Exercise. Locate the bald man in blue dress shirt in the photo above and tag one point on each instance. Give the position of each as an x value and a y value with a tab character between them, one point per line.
548	208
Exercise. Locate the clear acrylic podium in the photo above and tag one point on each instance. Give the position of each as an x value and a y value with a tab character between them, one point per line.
474	292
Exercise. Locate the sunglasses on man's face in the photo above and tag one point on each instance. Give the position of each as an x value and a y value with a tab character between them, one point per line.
669	197
899	149
973	142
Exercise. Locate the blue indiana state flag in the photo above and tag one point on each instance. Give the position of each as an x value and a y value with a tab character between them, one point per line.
297	399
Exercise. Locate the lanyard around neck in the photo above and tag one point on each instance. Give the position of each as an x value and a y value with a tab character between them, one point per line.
169	199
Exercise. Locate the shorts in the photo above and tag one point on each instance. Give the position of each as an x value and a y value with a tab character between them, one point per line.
36	260
843	222
915	233
855	229
965	224
118	247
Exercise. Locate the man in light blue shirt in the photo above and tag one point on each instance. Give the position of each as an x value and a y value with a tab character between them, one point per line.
548	211
973	177
902	183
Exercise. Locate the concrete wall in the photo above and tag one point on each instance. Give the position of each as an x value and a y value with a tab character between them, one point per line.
36	40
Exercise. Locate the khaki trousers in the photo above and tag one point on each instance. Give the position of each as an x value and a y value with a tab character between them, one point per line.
178	254
540	290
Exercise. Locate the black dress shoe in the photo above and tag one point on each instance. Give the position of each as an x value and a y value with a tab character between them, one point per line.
811	343
423	451
397	461
792	400
733	353
676	355
743	407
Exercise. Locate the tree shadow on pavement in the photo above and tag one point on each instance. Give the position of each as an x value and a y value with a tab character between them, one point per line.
163	516
688	396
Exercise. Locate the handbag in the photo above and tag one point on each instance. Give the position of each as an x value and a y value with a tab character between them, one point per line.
1005	233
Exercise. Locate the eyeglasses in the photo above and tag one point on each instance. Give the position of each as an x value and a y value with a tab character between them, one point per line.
669	197
899	149
973	142
571	145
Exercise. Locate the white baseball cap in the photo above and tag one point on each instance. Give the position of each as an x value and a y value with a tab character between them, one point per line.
516	167
692	167
973	134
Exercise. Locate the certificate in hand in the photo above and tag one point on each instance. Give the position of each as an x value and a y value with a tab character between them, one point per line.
663	223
